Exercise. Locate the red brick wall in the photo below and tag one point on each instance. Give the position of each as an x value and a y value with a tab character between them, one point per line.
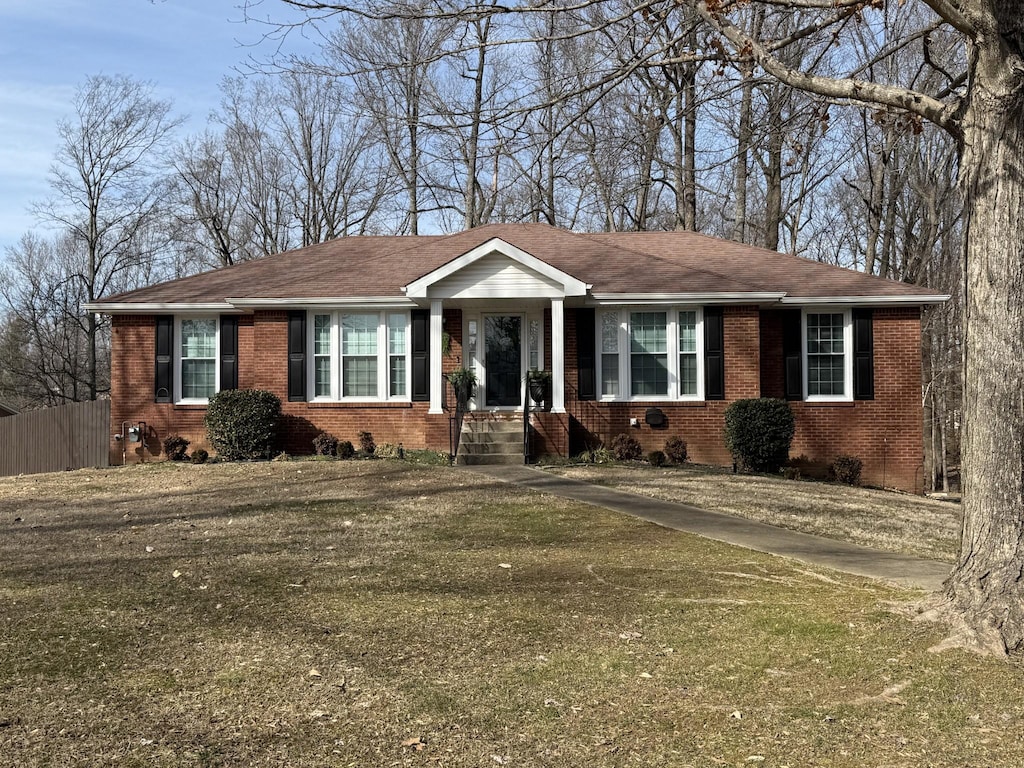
262	341
885	433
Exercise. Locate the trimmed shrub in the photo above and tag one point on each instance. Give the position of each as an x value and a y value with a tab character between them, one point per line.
758	433
626	447
656	458
242	423
176	447
325	444
366	444
345	449
199	456
846	469
675	450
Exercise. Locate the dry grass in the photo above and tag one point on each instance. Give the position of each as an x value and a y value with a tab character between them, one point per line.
884	520
325	613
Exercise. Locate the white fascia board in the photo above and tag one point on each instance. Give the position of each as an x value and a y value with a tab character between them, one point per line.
891	301
571	286
158	307
383	302
686	298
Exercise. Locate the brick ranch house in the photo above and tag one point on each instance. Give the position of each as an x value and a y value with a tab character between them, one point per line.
358	334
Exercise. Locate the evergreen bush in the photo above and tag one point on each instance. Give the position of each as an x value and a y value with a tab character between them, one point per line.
242	423
758	433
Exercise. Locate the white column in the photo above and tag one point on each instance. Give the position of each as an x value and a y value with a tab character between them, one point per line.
436	329
557	356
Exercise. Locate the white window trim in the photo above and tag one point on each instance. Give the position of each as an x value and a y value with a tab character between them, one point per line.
178	399
672	341
847	314
383	356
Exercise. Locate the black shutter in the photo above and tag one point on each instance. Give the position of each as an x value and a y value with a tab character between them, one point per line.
164	378
228	352
420	355
792	353
714	354
586	355
297	355
863	355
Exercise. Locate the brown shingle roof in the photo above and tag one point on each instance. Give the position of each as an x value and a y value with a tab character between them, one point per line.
642	262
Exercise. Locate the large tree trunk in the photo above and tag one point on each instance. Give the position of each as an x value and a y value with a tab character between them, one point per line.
986	588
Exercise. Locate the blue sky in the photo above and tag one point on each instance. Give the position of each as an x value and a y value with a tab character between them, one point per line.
48	47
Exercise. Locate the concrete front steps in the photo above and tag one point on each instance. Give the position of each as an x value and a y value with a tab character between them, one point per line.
490	441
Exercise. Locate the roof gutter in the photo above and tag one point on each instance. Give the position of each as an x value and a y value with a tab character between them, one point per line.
154	307
702	298
889	301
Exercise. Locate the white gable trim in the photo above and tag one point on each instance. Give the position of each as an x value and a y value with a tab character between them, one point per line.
571	286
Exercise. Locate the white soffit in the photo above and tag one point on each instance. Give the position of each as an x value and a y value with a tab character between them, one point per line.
522	272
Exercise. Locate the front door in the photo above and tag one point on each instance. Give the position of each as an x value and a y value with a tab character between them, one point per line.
503	350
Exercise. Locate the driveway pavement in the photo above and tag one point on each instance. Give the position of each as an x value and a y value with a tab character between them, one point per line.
898	569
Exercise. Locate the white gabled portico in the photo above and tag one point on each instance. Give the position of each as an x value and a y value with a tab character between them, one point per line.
498	284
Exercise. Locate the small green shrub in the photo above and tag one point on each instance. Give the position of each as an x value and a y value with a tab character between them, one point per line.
626	447
758	433
366	444
176	447
846	469
345	449
791	473
242	423
675	450
199	456
657	458
325	444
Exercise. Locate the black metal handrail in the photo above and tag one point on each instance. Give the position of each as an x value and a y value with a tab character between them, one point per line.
526	426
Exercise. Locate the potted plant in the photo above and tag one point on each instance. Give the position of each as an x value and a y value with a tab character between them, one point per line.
537	382
463	381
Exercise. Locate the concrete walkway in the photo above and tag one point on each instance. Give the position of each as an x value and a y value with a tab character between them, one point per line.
903	570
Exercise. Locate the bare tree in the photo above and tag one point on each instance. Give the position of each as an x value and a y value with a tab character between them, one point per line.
107	187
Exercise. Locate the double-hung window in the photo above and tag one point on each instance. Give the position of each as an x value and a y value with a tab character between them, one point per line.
197	358
829	362
360	355
650	353
397	349
687	333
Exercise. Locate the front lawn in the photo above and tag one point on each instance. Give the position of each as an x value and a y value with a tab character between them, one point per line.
377	614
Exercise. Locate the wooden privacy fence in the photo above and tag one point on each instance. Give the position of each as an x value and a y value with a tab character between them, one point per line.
55	439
